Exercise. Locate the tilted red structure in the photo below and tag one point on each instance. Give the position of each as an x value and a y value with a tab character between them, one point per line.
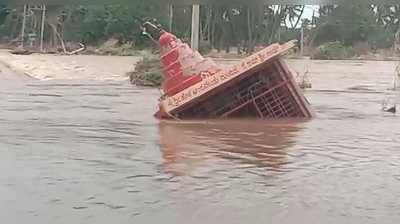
260	85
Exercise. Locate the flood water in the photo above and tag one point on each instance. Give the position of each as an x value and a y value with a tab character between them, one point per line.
81	151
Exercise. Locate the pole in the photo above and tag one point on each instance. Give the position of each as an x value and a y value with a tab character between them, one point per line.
23	27
171	16
195	27
302	41
250	31
42	28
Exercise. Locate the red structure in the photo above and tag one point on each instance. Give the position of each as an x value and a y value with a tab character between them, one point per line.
260	85
182	67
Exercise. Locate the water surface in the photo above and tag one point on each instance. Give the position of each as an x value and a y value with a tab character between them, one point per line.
81	151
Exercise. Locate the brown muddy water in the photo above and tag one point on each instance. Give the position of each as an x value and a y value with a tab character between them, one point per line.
84	151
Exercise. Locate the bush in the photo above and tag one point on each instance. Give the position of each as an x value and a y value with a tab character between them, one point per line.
333	51
361	48
381	39
114	47
147	73
204	48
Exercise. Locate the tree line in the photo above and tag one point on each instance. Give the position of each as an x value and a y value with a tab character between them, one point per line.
223	26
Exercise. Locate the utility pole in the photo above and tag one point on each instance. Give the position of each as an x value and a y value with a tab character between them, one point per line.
171	16
302	40
23	26
42	27
195	27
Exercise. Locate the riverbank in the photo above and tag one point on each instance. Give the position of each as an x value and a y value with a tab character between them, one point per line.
103	68
362	54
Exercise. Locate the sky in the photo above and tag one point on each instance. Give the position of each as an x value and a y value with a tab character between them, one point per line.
308	13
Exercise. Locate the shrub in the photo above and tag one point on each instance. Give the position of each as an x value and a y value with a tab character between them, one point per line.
204	48
147	73
333	51
381	39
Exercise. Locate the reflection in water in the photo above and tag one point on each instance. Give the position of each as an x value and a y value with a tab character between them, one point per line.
186	145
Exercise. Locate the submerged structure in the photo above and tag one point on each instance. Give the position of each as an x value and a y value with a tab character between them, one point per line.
260	85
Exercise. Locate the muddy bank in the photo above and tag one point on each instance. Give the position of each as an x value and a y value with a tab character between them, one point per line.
323	74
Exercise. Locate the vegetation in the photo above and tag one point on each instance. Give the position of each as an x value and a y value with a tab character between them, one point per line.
333	51
332	30
147	73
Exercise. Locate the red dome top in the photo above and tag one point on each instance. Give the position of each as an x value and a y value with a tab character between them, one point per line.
182	67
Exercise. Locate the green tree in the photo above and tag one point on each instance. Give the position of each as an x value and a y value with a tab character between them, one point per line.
4	11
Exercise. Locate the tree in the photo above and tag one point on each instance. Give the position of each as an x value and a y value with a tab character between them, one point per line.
4	12
349	24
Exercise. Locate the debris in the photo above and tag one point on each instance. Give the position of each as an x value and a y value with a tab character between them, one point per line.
109	46
114	46
260	85
303	80
393	98
387	108
82	48
391	109
20	51
396	77
24	51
